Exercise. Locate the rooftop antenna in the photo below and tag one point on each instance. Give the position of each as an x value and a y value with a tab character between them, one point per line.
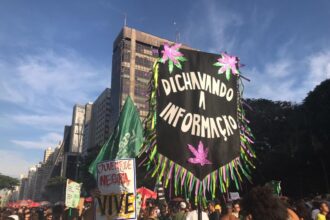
125	19
177	32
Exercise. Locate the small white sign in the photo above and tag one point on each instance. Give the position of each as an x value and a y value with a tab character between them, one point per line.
72	194
234	196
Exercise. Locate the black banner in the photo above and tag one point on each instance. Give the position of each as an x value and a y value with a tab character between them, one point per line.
197	124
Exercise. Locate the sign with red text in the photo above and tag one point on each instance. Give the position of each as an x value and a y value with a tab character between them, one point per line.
116	180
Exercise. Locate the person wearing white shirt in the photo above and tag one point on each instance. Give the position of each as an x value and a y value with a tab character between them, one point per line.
193	215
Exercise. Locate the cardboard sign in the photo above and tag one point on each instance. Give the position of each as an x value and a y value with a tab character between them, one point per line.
116	181
72	194
234	196
197	122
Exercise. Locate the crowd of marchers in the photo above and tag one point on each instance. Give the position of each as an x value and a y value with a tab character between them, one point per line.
260	203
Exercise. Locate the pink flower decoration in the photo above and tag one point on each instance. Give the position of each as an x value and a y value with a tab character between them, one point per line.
228	64
173	56
200	155
171	53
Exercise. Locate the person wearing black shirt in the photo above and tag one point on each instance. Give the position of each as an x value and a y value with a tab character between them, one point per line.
213	214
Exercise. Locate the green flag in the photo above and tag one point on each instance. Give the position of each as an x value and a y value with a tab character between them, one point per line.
275	186
125	141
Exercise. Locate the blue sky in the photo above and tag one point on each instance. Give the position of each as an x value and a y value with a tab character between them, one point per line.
54	54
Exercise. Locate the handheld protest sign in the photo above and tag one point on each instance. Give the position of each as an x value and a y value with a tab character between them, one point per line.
116	180
72	194
196	131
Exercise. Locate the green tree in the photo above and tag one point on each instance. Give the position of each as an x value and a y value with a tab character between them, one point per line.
7	182
317	116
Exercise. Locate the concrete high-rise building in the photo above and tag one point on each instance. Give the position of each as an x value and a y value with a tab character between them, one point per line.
66	138
23	187
77	128
81	116
31	183
47	153
97	130
39	176
88	127
101	118
132	60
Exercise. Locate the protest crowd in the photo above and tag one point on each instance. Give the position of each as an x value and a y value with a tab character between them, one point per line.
260	203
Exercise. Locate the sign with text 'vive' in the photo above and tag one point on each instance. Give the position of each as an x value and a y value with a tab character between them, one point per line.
116	181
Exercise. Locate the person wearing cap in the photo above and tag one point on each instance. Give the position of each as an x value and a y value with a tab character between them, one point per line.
181	214
217	208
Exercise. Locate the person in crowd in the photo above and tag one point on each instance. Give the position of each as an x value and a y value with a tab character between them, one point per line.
315	209
213	214
324	210
13	217
181	214
58	211
236	210
193	215
153	215
26	214
40	213
227	214
302	210
164	212
218	209
261	204
292	215
287	202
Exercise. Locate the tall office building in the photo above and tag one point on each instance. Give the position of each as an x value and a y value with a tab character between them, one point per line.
132	60
81	116
77	128
88	128
23	187
97	130
101	118
47	153
31	183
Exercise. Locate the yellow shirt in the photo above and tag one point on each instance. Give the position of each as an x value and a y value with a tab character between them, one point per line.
320	217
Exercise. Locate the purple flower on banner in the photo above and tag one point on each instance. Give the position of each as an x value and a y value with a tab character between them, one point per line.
228	64
200	154
173	56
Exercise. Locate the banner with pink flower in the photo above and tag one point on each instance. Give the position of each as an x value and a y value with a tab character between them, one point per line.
197	135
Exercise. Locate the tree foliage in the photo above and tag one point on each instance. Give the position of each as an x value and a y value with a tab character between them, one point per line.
7	182
292	141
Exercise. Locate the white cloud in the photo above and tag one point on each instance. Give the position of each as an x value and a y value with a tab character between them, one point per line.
45	122
48	140
13	163
212	29
279	69
272	86
319	68
45	86
51	80
289	79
